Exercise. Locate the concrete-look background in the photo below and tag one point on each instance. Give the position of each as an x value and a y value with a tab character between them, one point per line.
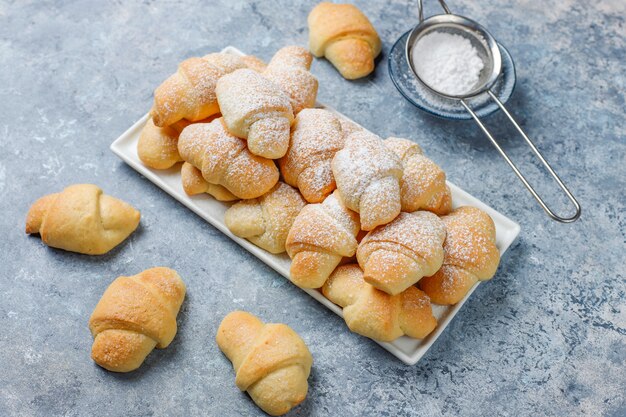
547	336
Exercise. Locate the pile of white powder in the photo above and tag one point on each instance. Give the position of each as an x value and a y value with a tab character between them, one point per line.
446	62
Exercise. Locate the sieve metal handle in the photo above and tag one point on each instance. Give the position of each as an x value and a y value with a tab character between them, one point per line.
517	171
421	8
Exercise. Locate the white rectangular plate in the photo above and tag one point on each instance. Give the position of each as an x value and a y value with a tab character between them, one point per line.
406	349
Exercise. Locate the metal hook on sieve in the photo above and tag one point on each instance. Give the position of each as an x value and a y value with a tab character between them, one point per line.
459	20
444	6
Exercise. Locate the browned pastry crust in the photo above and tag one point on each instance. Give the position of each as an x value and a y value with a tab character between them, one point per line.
272	363
135	315
158	146
316	136
376	314
225	160
289	69
266	220
343	34
470	255
254	63
423	184
194	183
398	254
320	237
190	92
82	219
368	178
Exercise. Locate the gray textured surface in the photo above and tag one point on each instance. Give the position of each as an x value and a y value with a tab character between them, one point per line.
546	337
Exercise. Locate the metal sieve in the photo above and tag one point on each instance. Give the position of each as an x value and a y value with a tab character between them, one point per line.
489	52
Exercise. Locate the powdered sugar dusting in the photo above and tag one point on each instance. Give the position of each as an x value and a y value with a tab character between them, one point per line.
348	126
471	241
403	148
190	92
419	236
380	202
224	159
418	301
244	96
328	226
254	63
289	69
269	137
470	255
451	281
338	211
316	137
447	63
192	142
362	162
422	178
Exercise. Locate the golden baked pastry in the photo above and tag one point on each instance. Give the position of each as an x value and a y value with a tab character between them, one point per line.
82	219
368	178
376	314
135	315
470	255
254	63
348	127
320	237
316	136
225	160
190	92
256	109
194	183
266	220
158	146
345	36
271	362
397	255
289	69
423	184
